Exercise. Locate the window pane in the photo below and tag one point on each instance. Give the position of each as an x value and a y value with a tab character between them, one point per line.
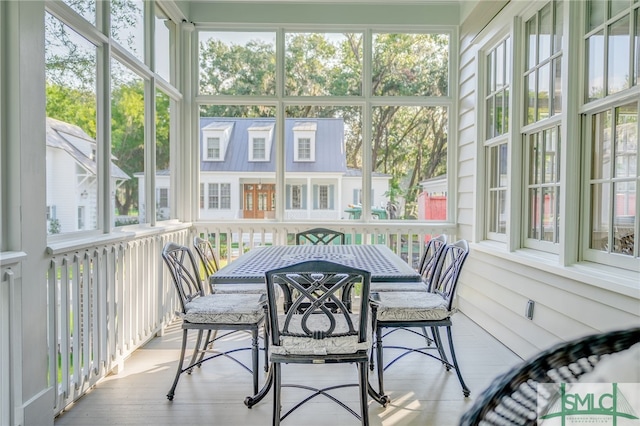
544	184
534	213
600	214
237	63
532	43
601	152
557	85
558	28
71	146
543	91
127	25
546	31
617	6
595	13
127	143
491	125
410	65
549	219
595	69
626	143
240	188
530	90
497	169
618	65
86	9
624	218
322	64
410	147
163	154
163	28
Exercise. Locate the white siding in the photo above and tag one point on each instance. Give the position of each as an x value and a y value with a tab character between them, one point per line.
497	283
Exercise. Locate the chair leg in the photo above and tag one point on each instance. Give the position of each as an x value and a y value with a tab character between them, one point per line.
254	359
465	389
364	395
435	332
379	361
277	386
196	350
180	363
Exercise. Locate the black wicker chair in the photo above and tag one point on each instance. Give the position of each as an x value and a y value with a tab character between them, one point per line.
512	398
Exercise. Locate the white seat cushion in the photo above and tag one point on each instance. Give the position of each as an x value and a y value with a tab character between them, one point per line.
291	345
225	309
411	306
404	286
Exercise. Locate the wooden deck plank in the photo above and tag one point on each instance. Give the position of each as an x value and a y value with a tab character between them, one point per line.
421	390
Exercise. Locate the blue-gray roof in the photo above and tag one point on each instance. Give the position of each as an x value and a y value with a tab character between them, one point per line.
330	156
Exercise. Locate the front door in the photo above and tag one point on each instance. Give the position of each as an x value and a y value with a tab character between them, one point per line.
259	201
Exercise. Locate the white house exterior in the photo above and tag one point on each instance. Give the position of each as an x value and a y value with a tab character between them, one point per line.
237	171
72	193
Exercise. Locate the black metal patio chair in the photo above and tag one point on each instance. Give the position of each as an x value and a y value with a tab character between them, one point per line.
426	309
318	328
210	265
211	312
320	236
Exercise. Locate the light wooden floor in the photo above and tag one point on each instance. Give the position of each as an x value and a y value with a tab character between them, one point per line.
422	392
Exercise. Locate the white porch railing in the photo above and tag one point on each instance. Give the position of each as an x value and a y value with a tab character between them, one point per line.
107	299
406	238
10	337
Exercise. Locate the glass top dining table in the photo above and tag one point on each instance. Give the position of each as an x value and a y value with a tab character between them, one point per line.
382	262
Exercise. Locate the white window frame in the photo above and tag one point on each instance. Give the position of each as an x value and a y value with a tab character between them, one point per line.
497	139
211	150
304	131
553	119
608	102
264	131
448	102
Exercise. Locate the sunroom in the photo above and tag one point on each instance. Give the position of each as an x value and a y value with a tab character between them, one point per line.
247	121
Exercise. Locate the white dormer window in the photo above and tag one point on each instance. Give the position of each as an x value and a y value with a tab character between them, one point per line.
260	138
213	149
215	140
304	147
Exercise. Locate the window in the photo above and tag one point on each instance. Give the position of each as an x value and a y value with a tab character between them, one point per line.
542	145
213	149
202	195
498	81
163	198
219	196
258	149
610	220
225	196
543	184
405	76
75	98
214	196
296	198
304	149
323	197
